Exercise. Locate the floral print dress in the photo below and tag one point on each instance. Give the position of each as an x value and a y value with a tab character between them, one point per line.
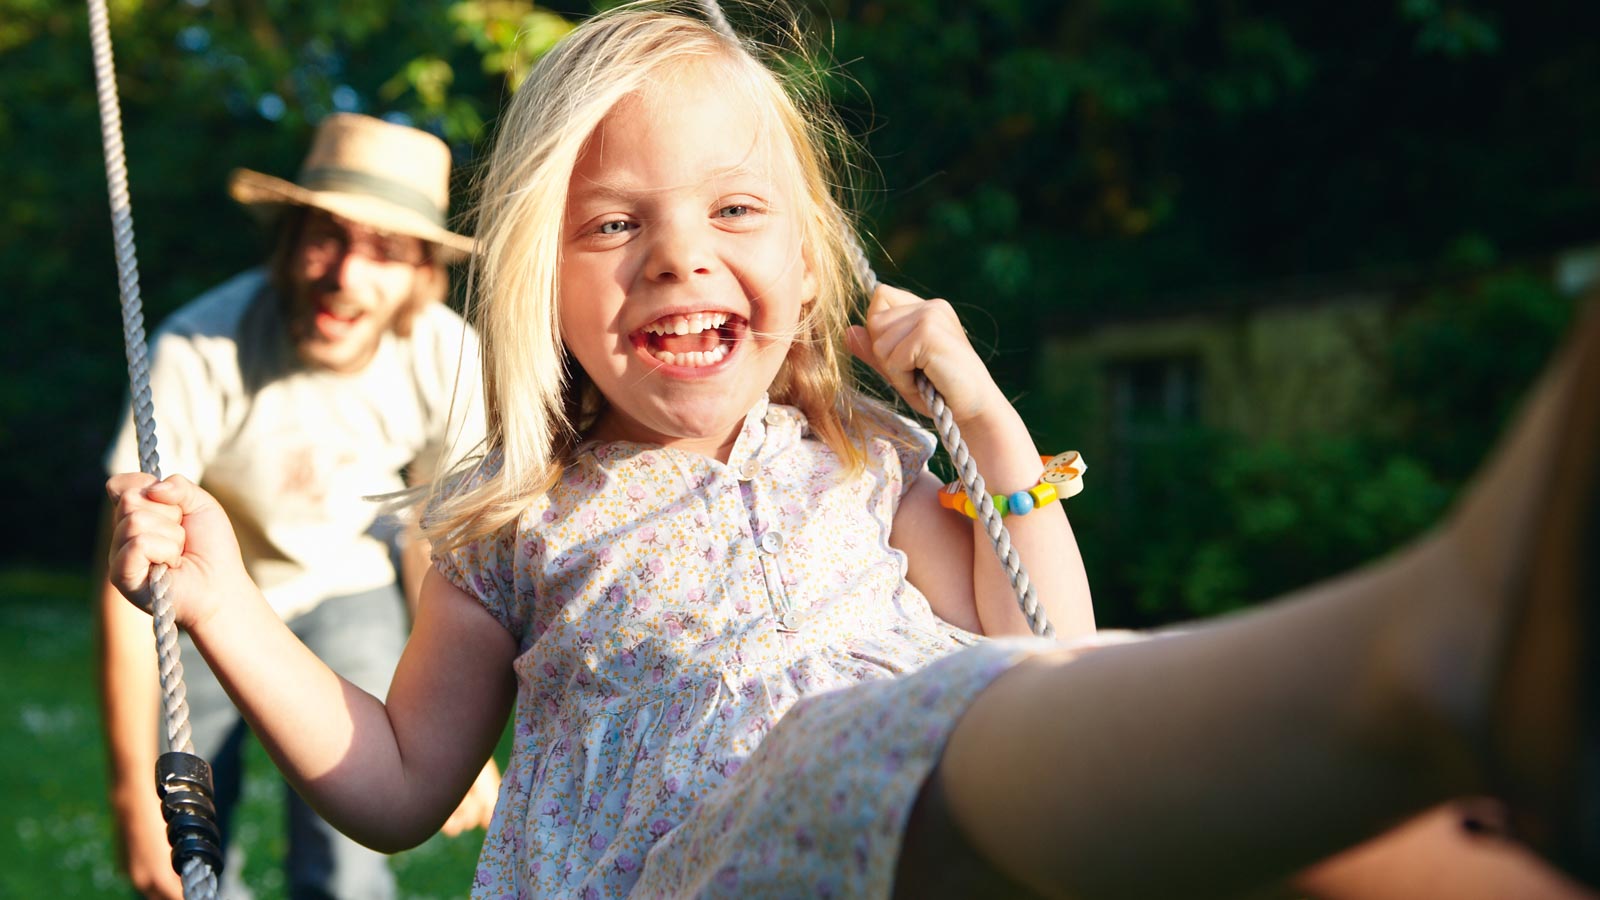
707	693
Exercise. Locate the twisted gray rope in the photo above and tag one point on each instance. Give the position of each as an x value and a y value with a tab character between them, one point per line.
713	11
199	882
967	469
949	433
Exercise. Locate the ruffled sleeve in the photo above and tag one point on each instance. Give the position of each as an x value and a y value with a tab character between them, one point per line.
913	446
486	567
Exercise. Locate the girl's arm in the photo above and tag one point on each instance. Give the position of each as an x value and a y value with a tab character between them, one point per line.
949	558
386	775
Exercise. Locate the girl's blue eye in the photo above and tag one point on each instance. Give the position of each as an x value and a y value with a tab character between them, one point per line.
733	212
615	226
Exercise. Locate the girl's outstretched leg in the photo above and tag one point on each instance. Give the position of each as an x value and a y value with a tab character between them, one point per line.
1212	762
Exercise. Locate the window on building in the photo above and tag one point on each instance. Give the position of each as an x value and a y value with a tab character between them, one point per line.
1154	407
1153	398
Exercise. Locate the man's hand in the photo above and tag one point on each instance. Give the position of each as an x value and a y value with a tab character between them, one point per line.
142	850
478	806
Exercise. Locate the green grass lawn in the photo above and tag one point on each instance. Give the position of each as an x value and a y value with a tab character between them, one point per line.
55	835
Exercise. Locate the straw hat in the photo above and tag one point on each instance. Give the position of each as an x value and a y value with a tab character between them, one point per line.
385	176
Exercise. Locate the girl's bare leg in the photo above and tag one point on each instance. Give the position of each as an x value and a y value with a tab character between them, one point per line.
1213	762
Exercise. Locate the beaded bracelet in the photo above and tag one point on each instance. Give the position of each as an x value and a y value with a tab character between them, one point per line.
1062	478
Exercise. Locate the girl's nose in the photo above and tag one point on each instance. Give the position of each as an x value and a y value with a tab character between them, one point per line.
678	252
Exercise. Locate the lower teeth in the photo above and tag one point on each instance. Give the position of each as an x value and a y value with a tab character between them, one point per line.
692	358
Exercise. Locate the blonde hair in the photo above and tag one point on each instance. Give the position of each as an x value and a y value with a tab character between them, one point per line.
538	400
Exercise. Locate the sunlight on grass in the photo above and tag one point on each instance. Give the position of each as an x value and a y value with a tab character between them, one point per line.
55	835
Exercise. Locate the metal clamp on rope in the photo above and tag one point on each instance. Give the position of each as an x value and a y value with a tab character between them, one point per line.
183	781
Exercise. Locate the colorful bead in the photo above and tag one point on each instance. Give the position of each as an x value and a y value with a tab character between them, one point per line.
1021	503
1044	493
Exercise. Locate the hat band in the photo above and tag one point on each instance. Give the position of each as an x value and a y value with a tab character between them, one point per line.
333	178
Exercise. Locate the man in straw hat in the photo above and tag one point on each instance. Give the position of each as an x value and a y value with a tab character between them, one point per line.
295	392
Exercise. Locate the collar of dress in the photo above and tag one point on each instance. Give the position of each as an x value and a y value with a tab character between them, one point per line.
768	427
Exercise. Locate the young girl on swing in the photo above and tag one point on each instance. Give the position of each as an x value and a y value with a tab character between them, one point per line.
739	628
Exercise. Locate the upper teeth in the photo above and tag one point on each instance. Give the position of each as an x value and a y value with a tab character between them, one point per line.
694	323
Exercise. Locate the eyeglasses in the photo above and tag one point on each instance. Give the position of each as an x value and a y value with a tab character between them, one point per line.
325	241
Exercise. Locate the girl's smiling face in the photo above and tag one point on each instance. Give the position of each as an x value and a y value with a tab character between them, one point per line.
683	279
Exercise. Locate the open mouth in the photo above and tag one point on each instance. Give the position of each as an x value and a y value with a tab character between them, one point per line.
335	306
696	340
333	317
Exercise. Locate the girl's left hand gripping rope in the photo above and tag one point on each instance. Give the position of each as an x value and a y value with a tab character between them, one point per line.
183	781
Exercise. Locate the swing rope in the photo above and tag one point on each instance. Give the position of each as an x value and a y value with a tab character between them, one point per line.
185	787
949	432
